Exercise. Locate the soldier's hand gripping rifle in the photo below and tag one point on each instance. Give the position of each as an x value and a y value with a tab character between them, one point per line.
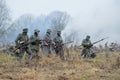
96	42
25	43
21	44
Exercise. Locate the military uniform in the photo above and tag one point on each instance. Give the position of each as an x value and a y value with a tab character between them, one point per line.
21	38
59	45
35	46
10	49
86	43
47	42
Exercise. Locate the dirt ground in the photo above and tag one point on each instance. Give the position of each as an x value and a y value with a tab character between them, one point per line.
106	66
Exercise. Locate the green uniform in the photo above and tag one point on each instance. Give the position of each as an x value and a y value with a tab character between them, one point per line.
21	38
86	52
35	46
59	46
47	43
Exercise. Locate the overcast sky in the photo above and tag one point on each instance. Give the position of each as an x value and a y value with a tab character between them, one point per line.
89	16
73	7
38	7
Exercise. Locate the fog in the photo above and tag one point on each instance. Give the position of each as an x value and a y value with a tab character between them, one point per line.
97	18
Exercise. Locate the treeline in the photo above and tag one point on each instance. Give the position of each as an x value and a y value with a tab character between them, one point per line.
9	29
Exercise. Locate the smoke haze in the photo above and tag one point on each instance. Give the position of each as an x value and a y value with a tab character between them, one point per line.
97	18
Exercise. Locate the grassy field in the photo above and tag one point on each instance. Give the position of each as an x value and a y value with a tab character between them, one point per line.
106	66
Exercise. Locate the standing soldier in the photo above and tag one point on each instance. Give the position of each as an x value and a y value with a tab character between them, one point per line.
86	43
47	42
21	39
35	46
59	45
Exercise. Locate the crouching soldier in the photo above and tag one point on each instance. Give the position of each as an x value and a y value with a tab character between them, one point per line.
21	39
35	45
86	43
59	45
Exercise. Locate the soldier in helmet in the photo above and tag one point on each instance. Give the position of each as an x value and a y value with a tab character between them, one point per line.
35	46
21	39
47	42
86	43
59	45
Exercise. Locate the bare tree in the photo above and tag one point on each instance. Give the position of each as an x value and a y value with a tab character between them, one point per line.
24	21
59	21
4	19
55	21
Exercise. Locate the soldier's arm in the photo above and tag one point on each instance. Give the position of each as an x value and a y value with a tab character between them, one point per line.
40	40
28	39
31	38
18	39
61	40
84	43
54	39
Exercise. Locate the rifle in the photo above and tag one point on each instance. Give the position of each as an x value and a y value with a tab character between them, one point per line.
99	41
59	44
96	42
25	43
67	42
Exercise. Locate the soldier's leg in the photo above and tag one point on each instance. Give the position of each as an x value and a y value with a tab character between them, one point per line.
57	51
45	50
20	56
61	53
36	53
37	56
88	52
29	52
92	54
83	55
49	49
33	53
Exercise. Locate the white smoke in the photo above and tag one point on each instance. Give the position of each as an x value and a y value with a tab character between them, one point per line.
97	18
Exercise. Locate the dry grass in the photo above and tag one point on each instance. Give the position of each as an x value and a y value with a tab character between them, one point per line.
53	68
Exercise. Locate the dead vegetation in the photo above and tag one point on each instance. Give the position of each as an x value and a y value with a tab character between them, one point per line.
53	68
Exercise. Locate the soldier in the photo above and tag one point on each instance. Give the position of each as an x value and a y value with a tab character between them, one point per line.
112	47
59	45
35	46
21	39
47	43
86	43
10	49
